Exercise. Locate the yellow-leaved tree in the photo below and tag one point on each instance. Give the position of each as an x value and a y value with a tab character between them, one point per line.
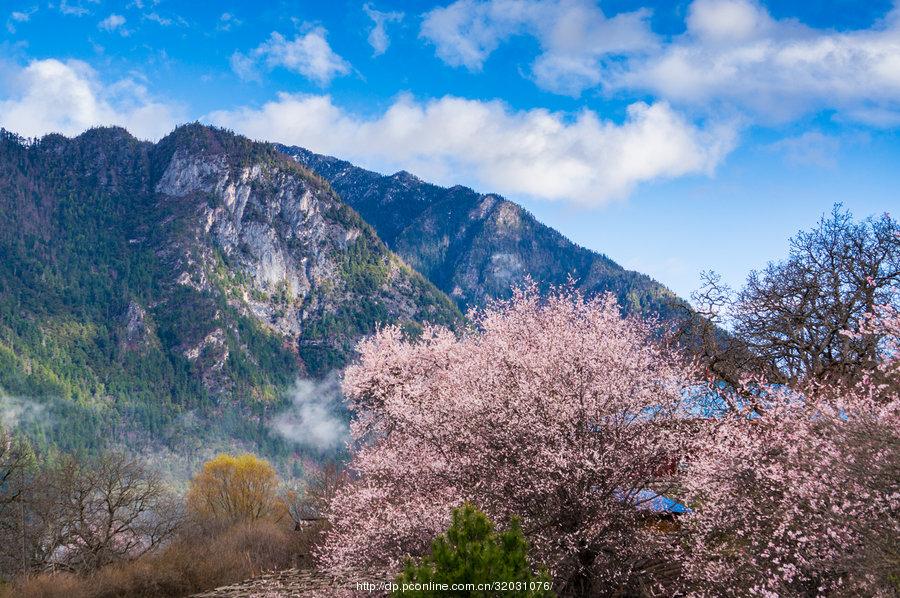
236	488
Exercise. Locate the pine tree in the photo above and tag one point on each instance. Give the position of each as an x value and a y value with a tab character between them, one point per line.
473	552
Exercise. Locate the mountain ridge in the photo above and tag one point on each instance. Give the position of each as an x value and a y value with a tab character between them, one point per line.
142	283
169	293
475	246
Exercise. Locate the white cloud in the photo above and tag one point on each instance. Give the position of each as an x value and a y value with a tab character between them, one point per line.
308	54
733	56
19	16
314	419
728	21
815	148
378	37
574	35
112	23
735	53
244	67
548	155
76	9
158	19
50	96
227	21
812	148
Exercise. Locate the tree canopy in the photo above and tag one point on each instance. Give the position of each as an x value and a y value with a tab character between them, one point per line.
232	488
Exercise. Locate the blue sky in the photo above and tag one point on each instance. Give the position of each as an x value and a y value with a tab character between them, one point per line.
674	137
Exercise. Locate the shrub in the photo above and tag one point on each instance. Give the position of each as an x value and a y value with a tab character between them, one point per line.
472	552
195	561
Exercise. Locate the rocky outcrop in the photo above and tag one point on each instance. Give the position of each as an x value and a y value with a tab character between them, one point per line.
477	246
137	333
282	248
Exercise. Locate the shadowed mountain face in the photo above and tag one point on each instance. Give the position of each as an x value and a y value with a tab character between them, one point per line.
145	285
475	246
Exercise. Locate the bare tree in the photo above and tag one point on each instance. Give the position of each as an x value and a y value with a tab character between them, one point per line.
16	468
308	502
92	513
307	506
796	312
703	331
789	322
15	458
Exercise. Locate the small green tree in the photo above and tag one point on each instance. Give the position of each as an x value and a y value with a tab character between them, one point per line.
473	552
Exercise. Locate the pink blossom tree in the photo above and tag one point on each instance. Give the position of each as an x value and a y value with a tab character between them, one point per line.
557	410
805	499
883	325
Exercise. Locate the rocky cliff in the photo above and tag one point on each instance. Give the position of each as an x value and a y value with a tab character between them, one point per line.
146	285
474	246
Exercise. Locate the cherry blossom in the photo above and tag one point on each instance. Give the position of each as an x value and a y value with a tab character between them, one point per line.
557	410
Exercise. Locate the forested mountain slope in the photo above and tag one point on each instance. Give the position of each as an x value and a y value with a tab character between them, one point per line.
476	246
171	291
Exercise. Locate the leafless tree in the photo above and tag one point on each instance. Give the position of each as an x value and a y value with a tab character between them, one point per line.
91	513
16	468
308	503
788	323
795	313
15	458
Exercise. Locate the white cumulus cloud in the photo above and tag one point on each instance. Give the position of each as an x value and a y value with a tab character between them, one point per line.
21	17
308	54
574	36
734	52
76	9
52	96
734	56
378	37
227	21
580	158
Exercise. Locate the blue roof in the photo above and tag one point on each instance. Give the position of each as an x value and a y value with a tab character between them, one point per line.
648	499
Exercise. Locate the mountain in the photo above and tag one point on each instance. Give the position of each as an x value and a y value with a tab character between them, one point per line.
476	246
168	293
